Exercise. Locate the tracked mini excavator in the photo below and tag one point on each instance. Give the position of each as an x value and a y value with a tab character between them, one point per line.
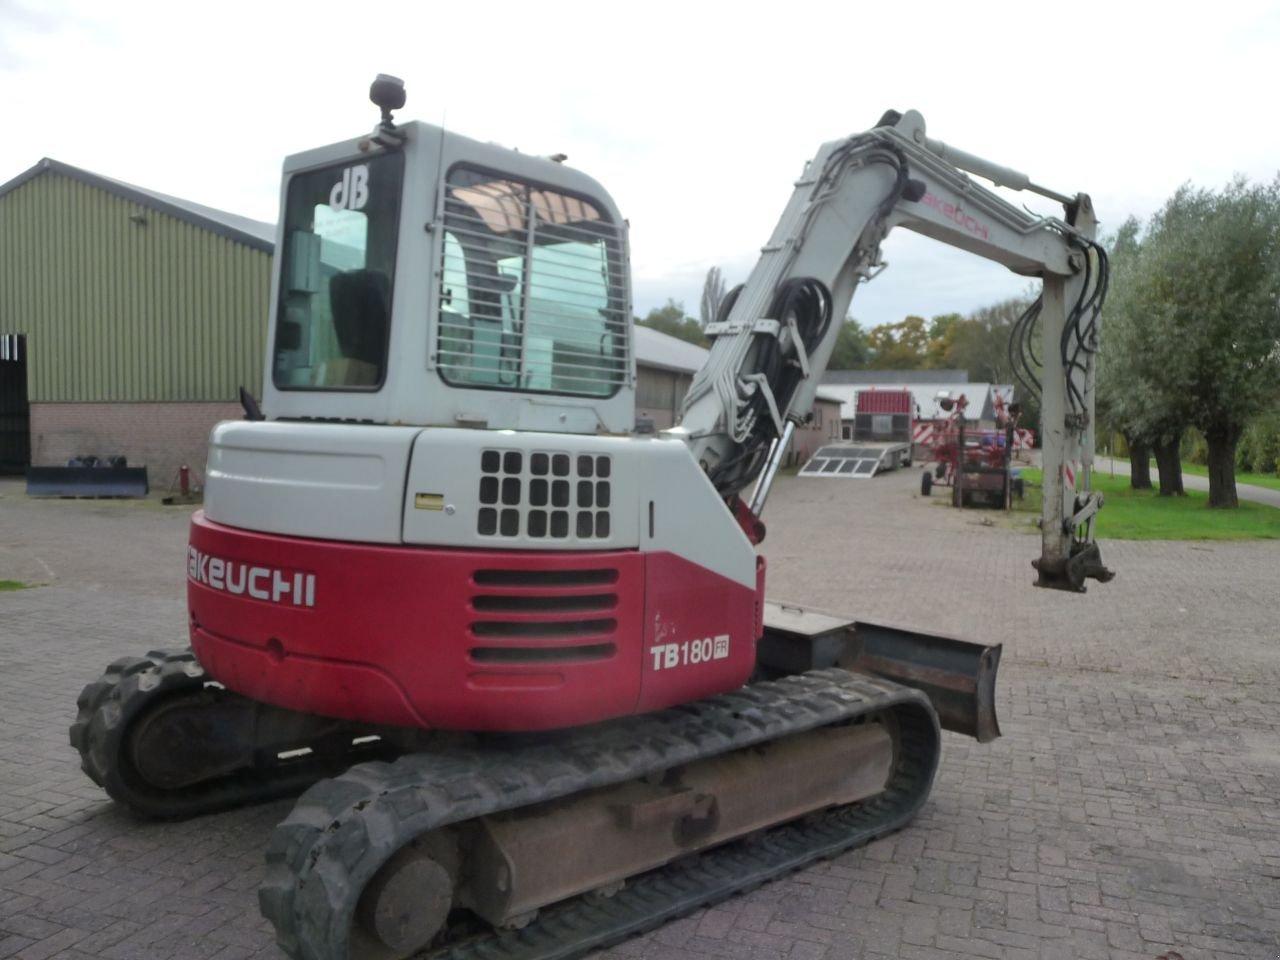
520	654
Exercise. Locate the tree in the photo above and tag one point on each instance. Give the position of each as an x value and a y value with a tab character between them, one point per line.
1129	399
940	326
978	343
943	330
671	319
1207	287
713	291
899	346
851	351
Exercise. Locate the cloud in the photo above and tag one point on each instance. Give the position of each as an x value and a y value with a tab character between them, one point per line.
18	22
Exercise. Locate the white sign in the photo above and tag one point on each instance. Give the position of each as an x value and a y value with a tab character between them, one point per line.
261	583
669	655
352	191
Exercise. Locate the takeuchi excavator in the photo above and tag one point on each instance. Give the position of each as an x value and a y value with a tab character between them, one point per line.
517	653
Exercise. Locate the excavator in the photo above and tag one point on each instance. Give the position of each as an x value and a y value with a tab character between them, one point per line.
517	652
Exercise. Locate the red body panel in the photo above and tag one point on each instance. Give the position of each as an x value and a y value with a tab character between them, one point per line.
699	632
462	639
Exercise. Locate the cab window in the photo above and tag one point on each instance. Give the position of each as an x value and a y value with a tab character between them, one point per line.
532	292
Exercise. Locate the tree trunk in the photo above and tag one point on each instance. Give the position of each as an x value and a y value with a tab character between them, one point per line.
1139	463
1222	467
1169	463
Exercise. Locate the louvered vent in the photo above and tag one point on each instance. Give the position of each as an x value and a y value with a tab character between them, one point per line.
544	616
544	495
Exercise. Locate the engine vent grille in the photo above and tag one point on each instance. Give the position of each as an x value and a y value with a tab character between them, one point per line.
544	616
536	655
545	578
545	495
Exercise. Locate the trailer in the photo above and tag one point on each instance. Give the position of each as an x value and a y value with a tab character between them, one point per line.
883	422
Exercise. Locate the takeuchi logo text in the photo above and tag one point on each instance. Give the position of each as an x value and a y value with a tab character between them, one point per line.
273	584
956	215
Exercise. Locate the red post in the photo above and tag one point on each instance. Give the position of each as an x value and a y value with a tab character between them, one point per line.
184	480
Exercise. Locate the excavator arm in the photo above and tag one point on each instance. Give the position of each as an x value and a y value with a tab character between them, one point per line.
777	332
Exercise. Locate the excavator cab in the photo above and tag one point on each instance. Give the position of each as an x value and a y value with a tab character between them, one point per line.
429	279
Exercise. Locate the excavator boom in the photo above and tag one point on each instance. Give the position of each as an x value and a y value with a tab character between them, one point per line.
777	334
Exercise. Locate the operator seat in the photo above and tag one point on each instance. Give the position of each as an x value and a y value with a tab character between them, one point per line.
359	301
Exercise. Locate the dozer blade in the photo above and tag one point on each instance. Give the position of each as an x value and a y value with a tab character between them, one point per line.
959	676
87	482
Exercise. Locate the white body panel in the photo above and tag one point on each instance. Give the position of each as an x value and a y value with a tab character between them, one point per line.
646	475
323	480
444	496
690	519
373	484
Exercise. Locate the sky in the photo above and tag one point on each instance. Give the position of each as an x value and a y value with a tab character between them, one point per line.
697	117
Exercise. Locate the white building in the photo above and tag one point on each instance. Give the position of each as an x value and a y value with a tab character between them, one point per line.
928	388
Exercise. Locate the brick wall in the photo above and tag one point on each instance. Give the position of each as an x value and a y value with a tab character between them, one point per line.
158	436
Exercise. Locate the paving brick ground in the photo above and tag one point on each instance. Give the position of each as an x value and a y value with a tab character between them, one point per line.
1130	809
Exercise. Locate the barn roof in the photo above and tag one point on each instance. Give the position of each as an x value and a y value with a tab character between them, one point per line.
253	233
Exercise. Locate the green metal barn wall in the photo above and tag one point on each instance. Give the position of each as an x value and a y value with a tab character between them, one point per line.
117	311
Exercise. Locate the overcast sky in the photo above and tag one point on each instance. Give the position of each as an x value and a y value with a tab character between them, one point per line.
696	116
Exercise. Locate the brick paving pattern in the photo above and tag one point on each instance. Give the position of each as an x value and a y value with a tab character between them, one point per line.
1130	809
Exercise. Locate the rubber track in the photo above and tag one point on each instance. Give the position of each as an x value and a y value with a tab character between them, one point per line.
126	690
341	831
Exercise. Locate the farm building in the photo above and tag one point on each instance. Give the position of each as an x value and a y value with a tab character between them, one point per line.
134	318
665	366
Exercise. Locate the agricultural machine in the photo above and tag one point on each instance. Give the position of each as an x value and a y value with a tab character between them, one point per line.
976	464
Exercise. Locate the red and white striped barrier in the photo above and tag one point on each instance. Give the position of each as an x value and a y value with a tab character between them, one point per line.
1023	438
922	432
1069	470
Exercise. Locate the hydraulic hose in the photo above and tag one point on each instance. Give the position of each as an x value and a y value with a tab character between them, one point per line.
808	301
